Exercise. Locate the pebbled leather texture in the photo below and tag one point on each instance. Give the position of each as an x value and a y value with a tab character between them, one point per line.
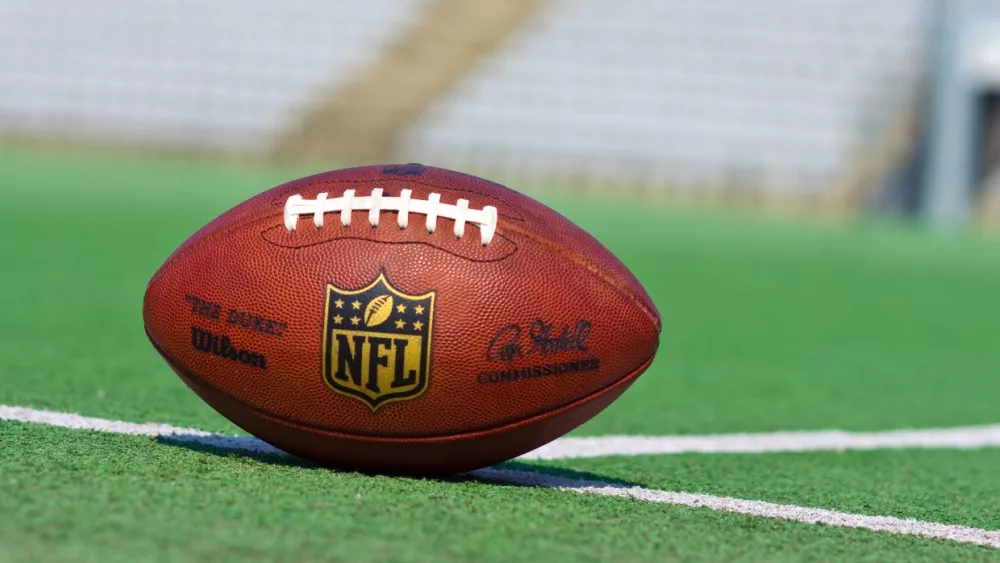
542	324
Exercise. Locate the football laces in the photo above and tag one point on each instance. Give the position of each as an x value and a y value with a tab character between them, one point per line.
404	205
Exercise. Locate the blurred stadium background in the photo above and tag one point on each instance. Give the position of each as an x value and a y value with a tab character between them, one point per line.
835	107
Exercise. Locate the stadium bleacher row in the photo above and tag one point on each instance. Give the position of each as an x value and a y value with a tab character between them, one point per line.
777	93
223	74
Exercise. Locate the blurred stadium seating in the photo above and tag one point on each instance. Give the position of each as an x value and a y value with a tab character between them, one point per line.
723	93
769	102
211	74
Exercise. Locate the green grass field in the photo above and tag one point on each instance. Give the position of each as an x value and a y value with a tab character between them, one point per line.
768	325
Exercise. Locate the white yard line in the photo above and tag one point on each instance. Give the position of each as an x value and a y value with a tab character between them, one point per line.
900	526
623	445
179	433
963	437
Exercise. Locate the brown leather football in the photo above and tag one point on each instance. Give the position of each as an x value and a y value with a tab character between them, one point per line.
400	319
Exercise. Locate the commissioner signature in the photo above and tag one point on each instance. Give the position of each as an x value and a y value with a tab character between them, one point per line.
514	342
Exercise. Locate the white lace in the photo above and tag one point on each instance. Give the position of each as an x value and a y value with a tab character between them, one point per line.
485	218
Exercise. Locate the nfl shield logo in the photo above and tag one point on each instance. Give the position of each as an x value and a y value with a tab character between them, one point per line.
377	342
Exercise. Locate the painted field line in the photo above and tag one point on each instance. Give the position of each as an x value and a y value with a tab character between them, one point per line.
910	527
806	515
962	437
152	429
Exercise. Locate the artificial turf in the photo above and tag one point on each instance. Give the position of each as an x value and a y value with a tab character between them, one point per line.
81	496
768	325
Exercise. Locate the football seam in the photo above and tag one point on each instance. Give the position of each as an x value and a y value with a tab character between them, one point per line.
631	375
348	238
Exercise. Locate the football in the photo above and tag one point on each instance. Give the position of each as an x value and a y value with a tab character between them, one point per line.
400	319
